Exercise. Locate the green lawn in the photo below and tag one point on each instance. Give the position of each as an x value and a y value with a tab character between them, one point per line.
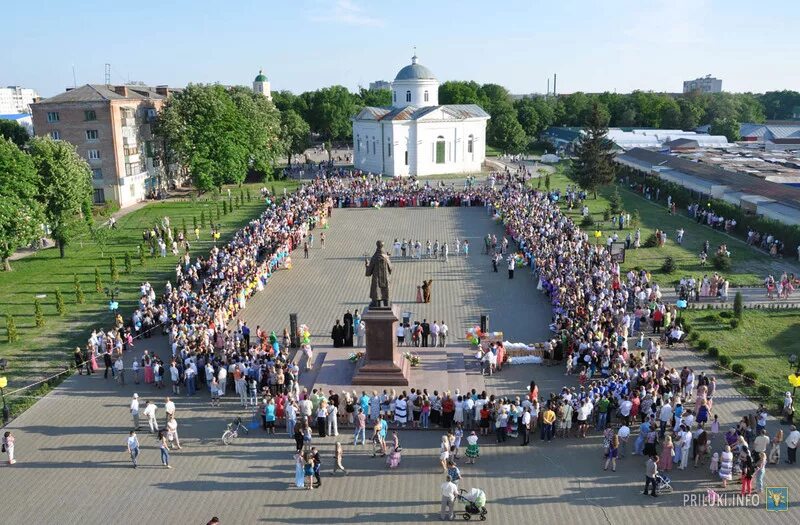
749	266
42	351
761	343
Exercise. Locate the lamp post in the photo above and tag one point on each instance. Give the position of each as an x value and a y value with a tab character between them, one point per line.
112	294
6	411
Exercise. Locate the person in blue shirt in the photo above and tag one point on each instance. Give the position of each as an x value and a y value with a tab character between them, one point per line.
269	416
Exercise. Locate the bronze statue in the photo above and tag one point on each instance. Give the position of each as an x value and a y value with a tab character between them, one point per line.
379	269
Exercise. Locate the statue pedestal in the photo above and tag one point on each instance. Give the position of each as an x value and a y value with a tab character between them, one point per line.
383	365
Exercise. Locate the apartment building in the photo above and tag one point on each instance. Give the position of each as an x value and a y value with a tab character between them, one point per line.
111	128
706	84
16	100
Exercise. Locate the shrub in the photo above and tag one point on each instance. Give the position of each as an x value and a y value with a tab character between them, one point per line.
60	303
202	219
724	360
98	283
606	215
651	241
546	183
248	195
79	299
183	226
702	345
128	263
737	368
713	351
669	265
587	221
217	210
38	314
721	262
615	202
194	222
693	336
636	219
764	390
750	378
726	314
737	305
112	269
734	323
142	260
11	329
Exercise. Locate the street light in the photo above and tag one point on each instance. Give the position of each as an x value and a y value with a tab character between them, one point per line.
6	412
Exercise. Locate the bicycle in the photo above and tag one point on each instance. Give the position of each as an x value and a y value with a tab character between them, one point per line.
232	431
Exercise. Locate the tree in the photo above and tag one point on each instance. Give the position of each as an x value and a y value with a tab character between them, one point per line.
14	132
65	188
142	260
779	105
224	207
615	202
100	235
38	315
21	214
595	165
528	117
112	269
98	283
330	111
462	92
295	133
506	133
727	126
60	303
636	218
261	124
194	222
79	298
374	97
128	263
205	130
203	219
11	329
738	306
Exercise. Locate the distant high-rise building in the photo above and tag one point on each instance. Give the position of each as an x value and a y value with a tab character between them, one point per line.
261	85
706	84
16	99
379	84
111	128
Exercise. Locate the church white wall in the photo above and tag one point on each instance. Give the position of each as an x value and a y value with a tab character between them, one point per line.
417	89
367	146
456	135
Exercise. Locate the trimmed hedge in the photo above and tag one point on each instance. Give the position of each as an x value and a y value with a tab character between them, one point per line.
702	345
734	323
737	368
713	351
724	360
764	391
726	314
750	378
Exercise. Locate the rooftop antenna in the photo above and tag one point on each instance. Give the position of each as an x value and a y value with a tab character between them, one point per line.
74	77
108	74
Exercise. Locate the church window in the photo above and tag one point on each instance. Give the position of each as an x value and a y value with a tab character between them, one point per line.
440	150
406	157
389	147
374	145
394	96
408	96
470	144
426	95
358	142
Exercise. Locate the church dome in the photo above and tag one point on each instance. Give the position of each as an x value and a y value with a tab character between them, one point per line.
414	71
260	77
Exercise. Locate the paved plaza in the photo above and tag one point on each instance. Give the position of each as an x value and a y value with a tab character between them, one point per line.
73	467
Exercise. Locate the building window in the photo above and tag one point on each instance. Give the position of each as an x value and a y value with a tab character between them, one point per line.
89	114
408	96
52	116
97	174
394	96
94	154
358	142
91	134
99	196
389	147
470	144
440	150
406	157
55	135
426	95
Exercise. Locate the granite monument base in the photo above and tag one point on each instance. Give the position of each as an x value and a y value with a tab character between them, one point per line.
383	365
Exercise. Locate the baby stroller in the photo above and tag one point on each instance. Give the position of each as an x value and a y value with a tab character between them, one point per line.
474	503
663	484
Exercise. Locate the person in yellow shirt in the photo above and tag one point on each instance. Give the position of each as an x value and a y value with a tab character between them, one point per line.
548	420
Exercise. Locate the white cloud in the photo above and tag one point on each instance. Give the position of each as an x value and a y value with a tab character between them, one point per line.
346	12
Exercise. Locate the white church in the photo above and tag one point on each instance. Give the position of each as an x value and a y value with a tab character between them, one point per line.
417	136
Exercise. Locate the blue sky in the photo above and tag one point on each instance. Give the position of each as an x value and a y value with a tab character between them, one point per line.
614	45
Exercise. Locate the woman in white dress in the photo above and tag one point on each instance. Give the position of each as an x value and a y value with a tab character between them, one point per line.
444	452
401	411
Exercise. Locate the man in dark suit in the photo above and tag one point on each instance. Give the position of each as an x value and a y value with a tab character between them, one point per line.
426	332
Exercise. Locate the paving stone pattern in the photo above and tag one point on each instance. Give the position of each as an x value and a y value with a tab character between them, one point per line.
73	467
